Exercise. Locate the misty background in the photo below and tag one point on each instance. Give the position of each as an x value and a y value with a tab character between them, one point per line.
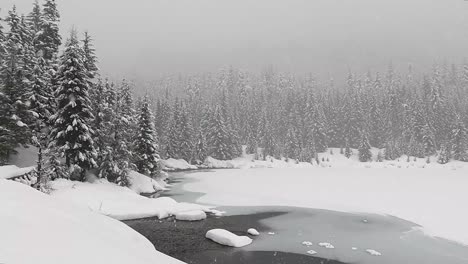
146	39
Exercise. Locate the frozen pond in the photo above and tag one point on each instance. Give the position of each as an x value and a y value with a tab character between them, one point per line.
351	235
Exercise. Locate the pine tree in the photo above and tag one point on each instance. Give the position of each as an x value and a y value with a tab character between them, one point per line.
41	106
90	56
15	74
365	153
459	141
292	144
347	152
48	39
146	151
72	133
186	135
218	137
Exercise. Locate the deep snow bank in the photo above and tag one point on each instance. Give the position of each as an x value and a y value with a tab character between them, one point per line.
431	198
36	228
115	201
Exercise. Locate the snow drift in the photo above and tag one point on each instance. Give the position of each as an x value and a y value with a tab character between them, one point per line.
37	228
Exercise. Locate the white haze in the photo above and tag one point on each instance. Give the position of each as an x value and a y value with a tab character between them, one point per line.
144	39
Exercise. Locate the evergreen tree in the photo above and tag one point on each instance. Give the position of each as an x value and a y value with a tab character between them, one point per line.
146	151
72	133
459	141
186	135
218	137
292	144
15	74
41	106
365	153
90	55
49	39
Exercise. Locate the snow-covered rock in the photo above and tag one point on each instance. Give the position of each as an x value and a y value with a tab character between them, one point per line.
373	252
307	243
37	228
326	245
253	232
177	164
11	171
271	233
195	215
312	252
140	183
224	237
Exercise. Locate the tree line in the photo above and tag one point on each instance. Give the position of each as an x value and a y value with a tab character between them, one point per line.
284	115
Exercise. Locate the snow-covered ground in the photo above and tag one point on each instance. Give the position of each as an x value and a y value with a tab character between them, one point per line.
37	228
432	198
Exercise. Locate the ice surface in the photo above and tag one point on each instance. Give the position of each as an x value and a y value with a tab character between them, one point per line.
390	191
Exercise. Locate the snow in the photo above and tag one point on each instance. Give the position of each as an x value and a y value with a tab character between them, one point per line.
224	237
36	228
11	171
271	233
373	252
307	243
116	201
253	232
140	183
312	252
247	162
326	245
354	248
176	164
429	197
195	215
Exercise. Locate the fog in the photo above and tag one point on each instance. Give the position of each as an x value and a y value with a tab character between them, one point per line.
144	39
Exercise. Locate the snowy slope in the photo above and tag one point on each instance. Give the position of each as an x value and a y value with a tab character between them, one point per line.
36	228
432	197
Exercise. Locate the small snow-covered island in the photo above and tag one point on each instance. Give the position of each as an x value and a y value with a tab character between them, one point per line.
99	164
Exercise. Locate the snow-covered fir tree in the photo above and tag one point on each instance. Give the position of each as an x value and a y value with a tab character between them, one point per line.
71	133
146	147
364	150
49	39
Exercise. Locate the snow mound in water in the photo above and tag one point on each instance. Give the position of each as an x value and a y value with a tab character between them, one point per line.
253	232
224	237
312	252
373	252
326	245
307	243
195	215
31	222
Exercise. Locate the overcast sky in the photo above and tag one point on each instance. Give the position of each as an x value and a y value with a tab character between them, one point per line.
145	39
